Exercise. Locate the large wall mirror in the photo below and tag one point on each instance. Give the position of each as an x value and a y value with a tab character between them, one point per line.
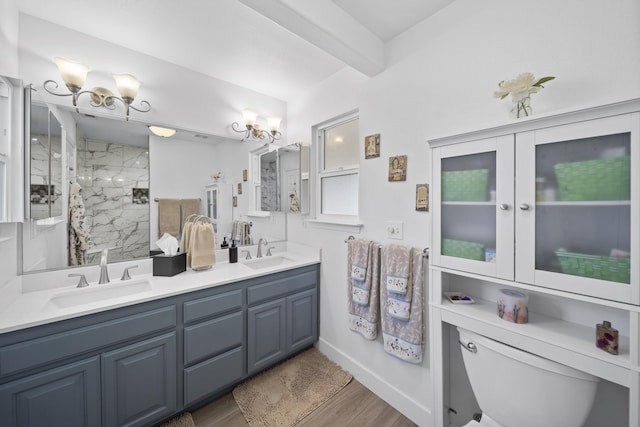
109	159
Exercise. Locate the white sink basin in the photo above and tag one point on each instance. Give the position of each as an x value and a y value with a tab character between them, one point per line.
93	293
270	261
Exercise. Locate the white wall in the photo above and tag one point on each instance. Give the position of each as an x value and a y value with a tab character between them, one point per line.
439	80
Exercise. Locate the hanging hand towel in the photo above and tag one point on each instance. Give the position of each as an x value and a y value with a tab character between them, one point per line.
401	315
188	207
201	245
363	287
169	217
398	268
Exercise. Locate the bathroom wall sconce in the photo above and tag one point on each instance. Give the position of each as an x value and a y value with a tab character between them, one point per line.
252	129
162	132
74	75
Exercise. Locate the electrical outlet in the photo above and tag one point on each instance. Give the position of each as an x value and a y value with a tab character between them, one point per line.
394	230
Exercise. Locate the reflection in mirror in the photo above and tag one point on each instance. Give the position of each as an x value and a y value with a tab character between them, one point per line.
113	172
46	164
269	182
290	178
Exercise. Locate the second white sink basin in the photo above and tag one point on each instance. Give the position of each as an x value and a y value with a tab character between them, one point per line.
93	293
270	261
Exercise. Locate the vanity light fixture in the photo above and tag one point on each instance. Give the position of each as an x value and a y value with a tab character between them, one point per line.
163	132
74	75
252	129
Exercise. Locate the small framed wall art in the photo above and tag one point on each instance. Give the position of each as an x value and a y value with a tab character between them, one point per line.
422	197
398	168
244	175
235	201
239	188
372	146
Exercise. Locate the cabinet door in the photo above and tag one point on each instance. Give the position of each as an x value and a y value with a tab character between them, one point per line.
473	203
266	342
66	396
139	382
302	320
577	224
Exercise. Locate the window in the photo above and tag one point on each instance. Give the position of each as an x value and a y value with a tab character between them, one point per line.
338	167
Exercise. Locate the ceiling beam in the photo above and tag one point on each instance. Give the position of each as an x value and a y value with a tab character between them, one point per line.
328	27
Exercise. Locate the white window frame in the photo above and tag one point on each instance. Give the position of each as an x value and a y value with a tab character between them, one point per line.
318	135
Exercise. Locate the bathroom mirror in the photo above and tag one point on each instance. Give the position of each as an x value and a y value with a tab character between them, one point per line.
284	179
45	164
269	182
110	160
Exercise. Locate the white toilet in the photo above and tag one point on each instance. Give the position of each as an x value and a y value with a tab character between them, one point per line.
518	389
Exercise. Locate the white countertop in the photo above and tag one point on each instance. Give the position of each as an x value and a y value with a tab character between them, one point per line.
28	300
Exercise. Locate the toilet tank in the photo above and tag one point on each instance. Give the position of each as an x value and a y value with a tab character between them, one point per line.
516	388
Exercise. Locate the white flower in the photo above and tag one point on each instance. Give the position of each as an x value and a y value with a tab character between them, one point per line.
216	175
521	87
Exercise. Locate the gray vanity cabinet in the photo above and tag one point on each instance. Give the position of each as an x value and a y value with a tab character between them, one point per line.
112	368
213	344
266	334
68	395
142	364
139	382
282	318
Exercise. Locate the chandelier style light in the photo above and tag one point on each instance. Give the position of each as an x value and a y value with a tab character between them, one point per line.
252	129
74	75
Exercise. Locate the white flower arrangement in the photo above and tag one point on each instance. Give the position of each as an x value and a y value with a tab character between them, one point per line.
216	175
520	90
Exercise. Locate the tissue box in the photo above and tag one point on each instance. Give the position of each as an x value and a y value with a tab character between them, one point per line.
169	265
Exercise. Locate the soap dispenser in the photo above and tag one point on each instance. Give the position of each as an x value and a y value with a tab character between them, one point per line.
224	243
233	252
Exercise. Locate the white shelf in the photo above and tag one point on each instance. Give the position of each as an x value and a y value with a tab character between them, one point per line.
5	239
576	342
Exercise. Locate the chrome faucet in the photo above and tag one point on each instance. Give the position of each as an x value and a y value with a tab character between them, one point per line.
260	242
104	274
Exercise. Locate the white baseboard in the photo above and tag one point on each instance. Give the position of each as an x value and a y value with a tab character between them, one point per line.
403	403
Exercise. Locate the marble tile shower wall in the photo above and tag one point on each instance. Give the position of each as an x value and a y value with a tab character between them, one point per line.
108	173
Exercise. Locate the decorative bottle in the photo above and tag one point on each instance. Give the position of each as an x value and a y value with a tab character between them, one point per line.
607	337
233	252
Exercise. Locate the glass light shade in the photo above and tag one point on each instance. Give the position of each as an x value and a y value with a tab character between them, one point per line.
127	85
249	117
163	132
73	73
273	123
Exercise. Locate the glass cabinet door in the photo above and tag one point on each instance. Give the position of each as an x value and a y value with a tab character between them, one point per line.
474	197
575	199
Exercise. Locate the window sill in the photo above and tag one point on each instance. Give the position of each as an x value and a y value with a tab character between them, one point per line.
354	226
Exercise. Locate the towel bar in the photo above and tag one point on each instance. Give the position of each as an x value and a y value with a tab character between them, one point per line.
425	251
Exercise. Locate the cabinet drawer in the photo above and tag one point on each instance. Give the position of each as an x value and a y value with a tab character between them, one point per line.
207	339
210	306
33	353
212	375
279	287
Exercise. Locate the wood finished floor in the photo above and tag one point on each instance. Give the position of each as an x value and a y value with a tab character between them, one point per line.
353	406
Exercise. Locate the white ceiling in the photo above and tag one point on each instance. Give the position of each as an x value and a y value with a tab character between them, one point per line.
276	47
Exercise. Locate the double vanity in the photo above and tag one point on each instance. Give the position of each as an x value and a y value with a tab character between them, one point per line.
138	351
